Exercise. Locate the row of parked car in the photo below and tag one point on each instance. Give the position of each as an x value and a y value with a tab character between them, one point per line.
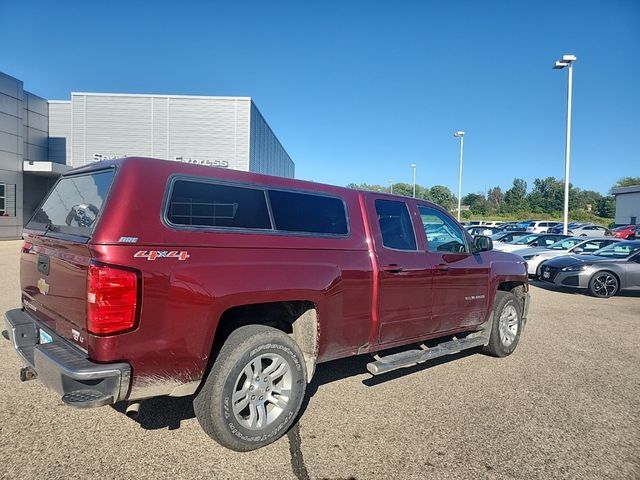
626	232
602	265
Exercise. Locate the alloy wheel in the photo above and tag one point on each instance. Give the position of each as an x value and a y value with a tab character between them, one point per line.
508	325
262	391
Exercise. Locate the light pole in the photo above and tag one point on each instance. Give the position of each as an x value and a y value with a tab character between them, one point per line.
460	135
390	186
567	61
413	166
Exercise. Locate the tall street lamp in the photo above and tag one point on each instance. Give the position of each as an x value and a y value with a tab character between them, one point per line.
460	135
567	61
390	186
413	166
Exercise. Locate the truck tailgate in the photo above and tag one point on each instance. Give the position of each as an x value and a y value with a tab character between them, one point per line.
53	276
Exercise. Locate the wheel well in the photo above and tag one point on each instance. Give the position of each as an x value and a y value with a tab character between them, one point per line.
608	271
517	288
298	318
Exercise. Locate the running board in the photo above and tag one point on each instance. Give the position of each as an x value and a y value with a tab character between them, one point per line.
409	358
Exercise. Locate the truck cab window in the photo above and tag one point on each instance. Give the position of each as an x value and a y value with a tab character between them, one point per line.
443	234
395	225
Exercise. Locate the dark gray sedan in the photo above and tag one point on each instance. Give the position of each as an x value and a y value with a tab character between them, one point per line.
604	273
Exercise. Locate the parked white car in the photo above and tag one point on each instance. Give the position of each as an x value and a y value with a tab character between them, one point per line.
567	246
540	226
588	230
530	240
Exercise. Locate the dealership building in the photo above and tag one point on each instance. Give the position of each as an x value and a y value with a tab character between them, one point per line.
40	139
627	204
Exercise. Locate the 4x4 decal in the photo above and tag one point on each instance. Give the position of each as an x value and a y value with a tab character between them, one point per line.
153	254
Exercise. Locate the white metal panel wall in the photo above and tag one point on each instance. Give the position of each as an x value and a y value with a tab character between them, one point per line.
267	155
117	126
243	134
209	130
60	132
627	206
160	109
78	130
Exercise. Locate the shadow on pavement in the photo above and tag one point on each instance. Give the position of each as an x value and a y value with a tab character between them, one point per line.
169	412
161	412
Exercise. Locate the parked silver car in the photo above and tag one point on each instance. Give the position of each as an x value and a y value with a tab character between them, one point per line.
603	273
535	257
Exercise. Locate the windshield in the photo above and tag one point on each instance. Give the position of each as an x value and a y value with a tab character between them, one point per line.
566	244
498	236
74	204
526	239
619	250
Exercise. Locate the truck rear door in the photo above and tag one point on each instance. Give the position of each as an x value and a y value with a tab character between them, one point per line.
56	256
405	277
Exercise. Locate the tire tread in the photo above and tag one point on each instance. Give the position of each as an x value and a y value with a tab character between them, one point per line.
212	392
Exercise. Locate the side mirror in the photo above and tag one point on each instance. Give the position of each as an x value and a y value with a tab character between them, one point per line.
578	250
482	244
534	244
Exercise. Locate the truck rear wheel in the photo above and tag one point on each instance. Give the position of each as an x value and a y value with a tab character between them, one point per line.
254	390
507	325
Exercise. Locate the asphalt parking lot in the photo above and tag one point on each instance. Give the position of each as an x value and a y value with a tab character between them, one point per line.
566	404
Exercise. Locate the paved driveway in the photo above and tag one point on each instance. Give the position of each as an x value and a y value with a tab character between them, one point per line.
566	404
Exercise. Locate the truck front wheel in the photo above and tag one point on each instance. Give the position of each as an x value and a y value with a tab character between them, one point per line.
254	390
507	325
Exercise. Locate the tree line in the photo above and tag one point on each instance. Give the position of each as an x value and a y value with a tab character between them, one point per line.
546	198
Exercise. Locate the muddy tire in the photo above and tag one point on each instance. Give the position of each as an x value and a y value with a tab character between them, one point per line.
507	325
254	390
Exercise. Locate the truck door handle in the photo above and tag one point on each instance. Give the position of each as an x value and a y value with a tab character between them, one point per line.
393	268
442	267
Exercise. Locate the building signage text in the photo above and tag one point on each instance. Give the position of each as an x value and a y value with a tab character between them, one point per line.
208	163
97	157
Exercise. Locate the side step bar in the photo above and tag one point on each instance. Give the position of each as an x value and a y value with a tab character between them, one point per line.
409	358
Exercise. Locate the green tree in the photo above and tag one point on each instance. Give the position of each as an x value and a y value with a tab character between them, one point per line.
476	202
398	189
495	198
547	195
583	199
606	207
627	182
515	199
366	186
442	196
403	189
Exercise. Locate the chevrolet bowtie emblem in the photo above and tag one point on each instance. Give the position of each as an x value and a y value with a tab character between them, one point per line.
43	286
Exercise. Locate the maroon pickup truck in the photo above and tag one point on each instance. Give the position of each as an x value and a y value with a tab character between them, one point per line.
143	277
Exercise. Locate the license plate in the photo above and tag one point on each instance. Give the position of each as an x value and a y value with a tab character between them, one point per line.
44	337
546	274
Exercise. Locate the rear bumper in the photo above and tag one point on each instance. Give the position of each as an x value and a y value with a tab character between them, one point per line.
63	368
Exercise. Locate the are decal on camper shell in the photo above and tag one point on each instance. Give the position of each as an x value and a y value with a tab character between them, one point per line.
153	254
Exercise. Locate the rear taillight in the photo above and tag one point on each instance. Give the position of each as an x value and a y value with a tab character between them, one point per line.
112	300
26	247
